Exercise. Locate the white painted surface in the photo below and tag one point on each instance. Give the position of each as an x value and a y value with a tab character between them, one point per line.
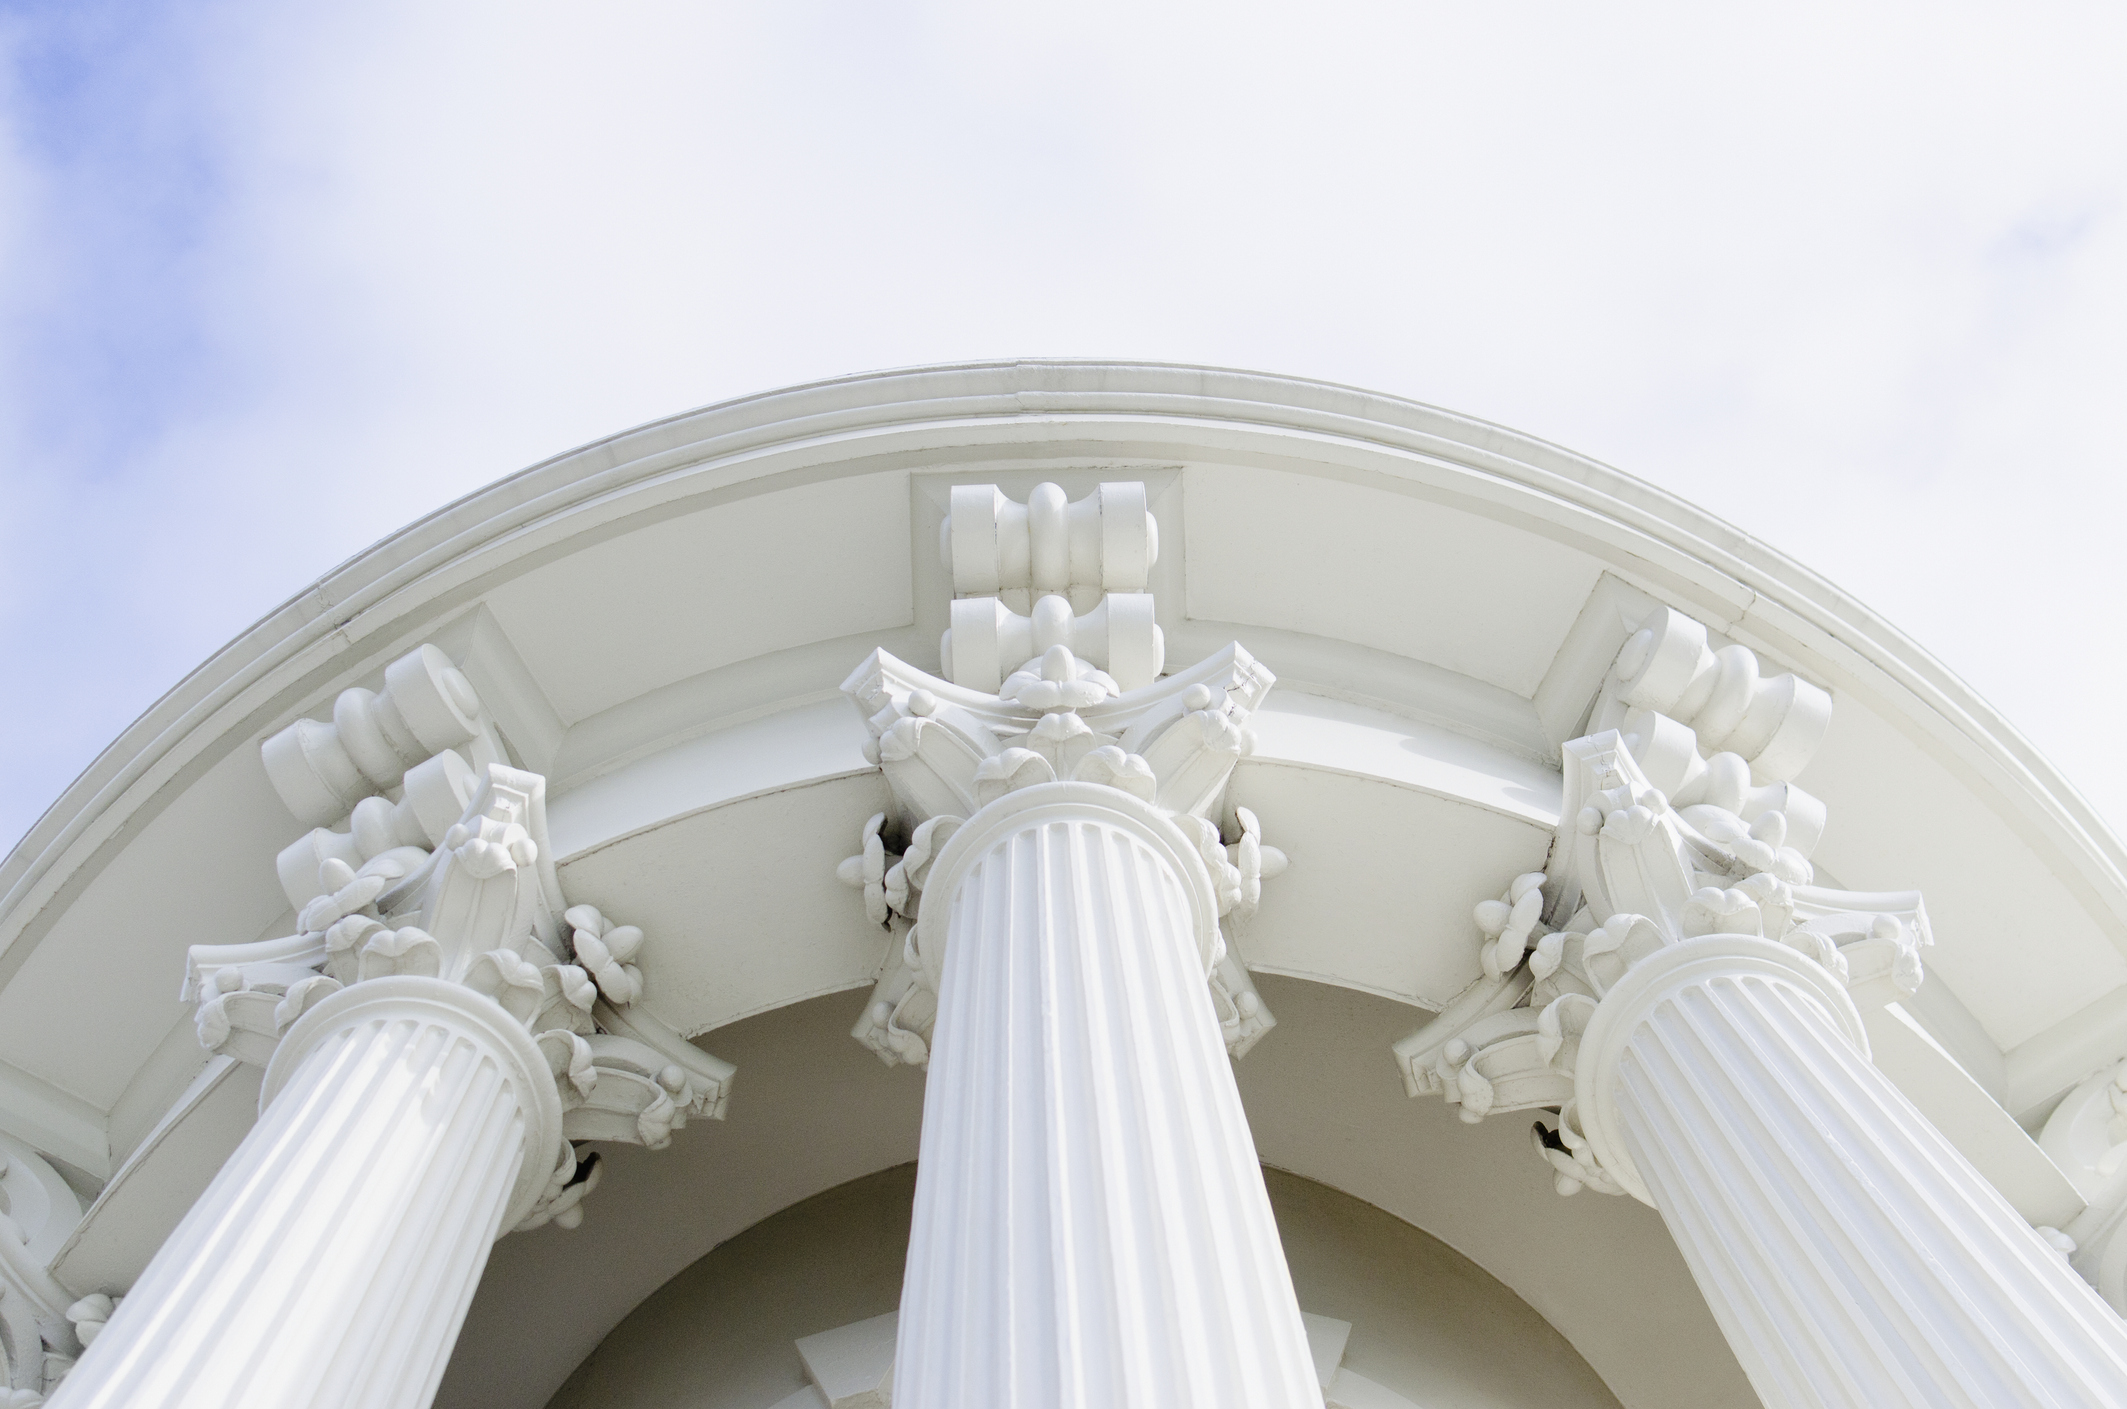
852	1366
331	1261
1443	562
1853	1257
126	922
822	739
1416	1325
814	1110
1090	1221
1897	811
739	946
1396	572
582	626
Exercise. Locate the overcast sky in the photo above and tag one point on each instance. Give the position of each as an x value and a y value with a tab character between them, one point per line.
277	279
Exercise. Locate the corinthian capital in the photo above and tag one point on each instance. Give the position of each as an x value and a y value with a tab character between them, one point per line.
1047	698
1658	843
454	880
947	749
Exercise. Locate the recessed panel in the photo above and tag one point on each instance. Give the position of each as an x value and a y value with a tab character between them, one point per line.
683	595
2011	941
100	991
1380	568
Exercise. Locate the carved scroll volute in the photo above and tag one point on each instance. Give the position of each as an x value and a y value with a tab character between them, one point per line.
321	770
948	751
1660	846
1051	673
453	880
1774	723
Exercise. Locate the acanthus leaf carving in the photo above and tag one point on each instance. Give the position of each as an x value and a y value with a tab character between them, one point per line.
1064	693
938	749
453	879
1657	843
1243	1016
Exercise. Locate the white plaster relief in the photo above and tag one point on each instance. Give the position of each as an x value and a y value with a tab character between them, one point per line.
1675	989
947	751
480	904
1052	696
1050	573
321	769
40	1332
1719	845
484	909
2087	1137
435	951
1084	549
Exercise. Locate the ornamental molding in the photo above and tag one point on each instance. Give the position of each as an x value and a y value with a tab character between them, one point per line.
43	1327
1679	821
1067	691
433	863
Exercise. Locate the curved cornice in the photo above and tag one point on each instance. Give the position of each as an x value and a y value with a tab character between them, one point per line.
1757	594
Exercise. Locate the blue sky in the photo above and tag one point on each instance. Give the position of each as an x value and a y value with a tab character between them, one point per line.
276	280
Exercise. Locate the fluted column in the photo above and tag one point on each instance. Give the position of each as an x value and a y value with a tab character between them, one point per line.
1852	1256
1091	1228
332	1259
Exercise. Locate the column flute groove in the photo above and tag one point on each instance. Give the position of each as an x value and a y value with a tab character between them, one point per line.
1891	1273
330	1263
436	1037
1091	1229
1135	1236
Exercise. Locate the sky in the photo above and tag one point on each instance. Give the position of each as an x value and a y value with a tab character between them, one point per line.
276	280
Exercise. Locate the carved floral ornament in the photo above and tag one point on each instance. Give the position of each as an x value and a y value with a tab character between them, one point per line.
947	752
1679	820
446	872
1051	695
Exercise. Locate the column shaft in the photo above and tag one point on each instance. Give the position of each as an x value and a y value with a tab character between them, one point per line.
1851	1255
1091	1227
330	1263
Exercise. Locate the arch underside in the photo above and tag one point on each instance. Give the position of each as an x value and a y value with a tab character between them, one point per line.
1602	1272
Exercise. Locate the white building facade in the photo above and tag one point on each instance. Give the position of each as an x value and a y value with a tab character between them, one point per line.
1065	884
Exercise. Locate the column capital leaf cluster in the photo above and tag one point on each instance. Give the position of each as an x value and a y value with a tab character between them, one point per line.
1051	675
1679	822
440	869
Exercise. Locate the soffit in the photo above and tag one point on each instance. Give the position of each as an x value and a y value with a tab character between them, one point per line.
1397	572
673	598
2017	946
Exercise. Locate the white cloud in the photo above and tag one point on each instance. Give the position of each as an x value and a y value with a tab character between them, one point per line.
274	281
